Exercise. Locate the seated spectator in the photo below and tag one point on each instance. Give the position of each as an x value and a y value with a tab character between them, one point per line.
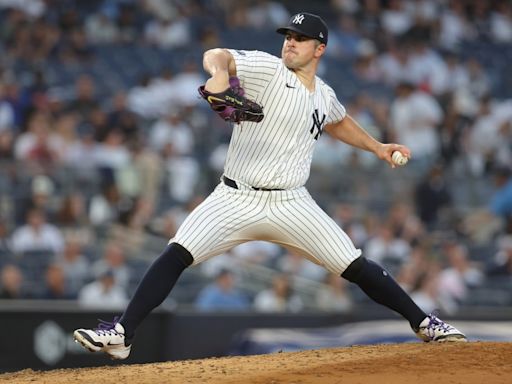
366	67
55	285
334	296
120	116
393	64
76	48
222	295
41	196
37	234
183	174
68	140
414	117
6	113
104	206
111	154
489	137
279	297
405	223
429	296
426	68
141	177
5	241
345	216
386	247
344	39
6	145
264	13
100	28
460	274
113	259
225	261
454	25
501	202
38	146
501	22
484	223
408	277
84	99
11	283
172	129
145	99
74	265
103	293
432	195
185	84
502	264
168	32
72	218
396	18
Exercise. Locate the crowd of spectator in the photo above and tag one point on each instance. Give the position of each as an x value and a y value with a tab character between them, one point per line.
90	166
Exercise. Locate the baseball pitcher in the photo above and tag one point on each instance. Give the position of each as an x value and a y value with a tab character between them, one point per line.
279	108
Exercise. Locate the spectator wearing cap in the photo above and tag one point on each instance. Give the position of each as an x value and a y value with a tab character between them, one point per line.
41	197
114	259
103	292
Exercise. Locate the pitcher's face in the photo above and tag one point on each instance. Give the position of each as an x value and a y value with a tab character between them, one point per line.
299	50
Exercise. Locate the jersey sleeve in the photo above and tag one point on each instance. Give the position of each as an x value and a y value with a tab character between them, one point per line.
337	111
255	69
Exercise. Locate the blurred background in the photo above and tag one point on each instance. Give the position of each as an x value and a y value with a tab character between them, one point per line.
105	147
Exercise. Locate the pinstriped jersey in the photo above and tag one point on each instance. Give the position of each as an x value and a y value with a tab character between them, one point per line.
276	153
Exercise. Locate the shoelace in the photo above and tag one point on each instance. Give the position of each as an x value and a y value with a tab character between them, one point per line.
435	324
107	327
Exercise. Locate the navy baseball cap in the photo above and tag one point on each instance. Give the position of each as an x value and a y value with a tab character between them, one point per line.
308	25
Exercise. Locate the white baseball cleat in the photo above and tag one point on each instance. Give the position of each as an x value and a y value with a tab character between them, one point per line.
108	338
434	329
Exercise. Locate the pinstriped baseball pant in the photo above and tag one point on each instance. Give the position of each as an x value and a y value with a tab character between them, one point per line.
290	218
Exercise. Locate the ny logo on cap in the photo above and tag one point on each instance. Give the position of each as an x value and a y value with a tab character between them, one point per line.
298	19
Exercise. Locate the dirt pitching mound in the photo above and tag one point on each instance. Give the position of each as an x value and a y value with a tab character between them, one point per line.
475	362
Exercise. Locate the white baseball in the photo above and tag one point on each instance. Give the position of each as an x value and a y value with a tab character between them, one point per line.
398	158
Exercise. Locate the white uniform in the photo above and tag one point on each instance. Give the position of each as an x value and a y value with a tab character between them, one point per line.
273	154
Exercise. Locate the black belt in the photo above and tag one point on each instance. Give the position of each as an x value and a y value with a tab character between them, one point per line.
232	183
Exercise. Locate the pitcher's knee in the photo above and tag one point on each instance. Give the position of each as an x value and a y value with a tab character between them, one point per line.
353	271
179	252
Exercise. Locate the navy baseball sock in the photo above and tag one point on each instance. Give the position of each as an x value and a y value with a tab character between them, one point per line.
378	284
155	286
